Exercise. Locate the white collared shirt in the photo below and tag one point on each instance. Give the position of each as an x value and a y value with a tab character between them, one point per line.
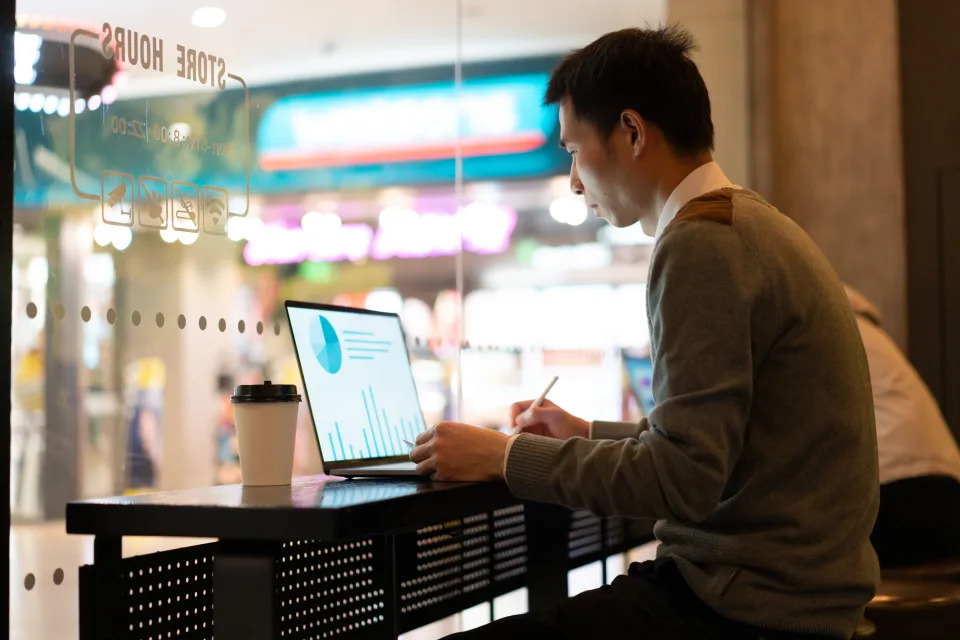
704	179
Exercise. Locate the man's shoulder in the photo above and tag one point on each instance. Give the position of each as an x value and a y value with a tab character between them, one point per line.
720	206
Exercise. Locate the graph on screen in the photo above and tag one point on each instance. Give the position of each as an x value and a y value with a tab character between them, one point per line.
357	379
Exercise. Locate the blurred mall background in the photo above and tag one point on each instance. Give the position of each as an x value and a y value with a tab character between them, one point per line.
396	156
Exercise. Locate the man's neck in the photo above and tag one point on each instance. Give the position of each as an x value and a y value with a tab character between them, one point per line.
674	174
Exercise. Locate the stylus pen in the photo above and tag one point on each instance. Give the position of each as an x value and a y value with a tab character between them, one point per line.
543	396
539	401
409	444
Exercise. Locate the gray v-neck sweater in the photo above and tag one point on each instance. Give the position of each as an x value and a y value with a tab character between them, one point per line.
760	459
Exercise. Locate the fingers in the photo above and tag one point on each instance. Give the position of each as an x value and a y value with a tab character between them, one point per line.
532	417
425	436
421	452
516	409
427	467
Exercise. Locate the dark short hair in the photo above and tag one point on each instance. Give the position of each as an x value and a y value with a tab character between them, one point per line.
647	70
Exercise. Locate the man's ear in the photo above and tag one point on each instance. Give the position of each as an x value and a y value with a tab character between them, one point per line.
634	128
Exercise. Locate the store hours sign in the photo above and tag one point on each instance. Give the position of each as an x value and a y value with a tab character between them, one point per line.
147	177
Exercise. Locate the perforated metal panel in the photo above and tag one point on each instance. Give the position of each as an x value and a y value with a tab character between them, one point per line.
510	544
346	589
449	566
169	595
332	590
585	536
615	532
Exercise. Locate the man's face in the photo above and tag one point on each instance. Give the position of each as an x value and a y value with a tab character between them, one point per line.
599	168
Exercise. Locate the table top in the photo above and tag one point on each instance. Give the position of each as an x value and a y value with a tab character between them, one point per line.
313	507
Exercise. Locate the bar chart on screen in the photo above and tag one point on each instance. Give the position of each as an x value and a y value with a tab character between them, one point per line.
381	435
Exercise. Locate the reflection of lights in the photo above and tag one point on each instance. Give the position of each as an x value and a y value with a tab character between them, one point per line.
120	79
235	229
317	223
387	300
168	235
36	103
51	104
109	94
187	238
486	228
98	269
37	272
567	210
26	52
94	102
63	109
243	228
102	234
398	216
586	256
79	105
122	237
208	17
184	128
22	100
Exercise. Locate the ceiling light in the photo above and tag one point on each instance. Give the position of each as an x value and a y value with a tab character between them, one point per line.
26	48
187	238
22	100
168	235
36	103
102	234
122	237
51	104
63	109
93	102
184	128
109	94
208	17
79	105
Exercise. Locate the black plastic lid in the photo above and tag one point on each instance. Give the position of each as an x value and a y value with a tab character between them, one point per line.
266	392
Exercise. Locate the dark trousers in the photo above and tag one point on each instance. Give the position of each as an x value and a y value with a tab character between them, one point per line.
918	521
649	603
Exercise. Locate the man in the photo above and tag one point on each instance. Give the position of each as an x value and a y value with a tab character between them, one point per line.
919	518
760	459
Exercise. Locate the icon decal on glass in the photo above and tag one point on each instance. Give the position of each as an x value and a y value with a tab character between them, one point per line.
213	202
152	203
116	202
186	206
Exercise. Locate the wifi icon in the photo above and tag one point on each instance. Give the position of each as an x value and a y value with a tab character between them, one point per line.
213	204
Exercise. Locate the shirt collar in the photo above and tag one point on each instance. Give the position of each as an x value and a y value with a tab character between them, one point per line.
704	179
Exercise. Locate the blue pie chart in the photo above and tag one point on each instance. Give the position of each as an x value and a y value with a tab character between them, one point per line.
326	344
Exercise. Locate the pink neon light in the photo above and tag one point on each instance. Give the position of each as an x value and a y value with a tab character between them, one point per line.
402	233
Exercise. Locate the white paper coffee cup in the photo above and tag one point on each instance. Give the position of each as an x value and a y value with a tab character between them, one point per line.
266	419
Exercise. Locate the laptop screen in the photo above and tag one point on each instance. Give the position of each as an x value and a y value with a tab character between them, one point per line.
358	381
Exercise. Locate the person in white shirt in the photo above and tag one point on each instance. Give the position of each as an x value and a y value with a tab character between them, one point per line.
919	516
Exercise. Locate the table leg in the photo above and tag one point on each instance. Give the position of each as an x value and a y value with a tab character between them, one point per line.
392	589
547	555
244	591
100	584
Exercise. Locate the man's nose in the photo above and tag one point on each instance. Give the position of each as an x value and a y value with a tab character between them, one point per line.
575	185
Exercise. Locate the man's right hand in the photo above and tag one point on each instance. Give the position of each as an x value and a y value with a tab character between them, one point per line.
547	420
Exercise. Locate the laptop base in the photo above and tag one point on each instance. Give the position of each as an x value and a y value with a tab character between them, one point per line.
391	469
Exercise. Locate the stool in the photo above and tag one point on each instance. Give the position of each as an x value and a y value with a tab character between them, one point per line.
918	601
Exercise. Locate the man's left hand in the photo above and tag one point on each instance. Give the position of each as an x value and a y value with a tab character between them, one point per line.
453	451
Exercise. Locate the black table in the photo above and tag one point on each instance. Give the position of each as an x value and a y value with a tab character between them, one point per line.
326	557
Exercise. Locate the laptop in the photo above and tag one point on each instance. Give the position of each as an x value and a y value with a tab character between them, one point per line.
359	387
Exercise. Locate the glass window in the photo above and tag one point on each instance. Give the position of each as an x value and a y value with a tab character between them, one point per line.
181	171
